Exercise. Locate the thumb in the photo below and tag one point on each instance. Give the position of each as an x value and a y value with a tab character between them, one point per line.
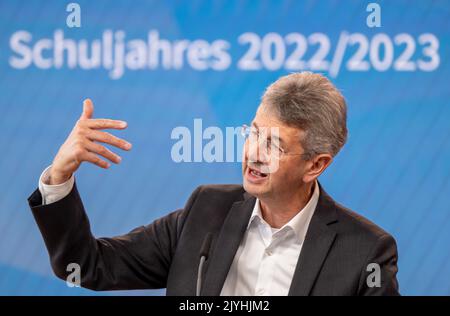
88	109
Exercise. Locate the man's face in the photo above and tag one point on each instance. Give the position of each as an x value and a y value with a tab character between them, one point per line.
286	177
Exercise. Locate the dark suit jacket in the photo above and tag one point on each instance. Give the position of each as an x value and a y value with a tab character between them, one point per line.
338	247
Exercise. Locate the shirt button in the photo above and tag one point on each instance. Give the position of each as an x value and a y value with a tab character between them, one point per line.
268	252
260	292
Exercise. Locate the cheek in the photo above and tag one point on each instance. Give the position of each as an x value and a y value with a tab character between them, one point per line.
288	172
281	174
244	157
245	151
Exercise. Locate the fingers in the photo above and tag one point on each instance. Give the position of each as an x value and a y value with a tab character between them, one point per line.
108	138
94	159
104	124
88	127
103	151
88	109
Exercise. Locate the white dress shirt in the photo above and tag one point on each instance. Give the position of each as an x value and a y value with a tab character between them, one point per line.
266	258
265	261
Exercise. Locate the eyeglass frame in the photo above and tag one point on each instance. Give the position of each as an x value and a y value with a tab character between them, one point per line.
246	132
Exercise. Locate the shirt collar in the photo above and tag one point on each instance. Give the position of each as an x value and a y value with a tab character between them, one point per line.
300	222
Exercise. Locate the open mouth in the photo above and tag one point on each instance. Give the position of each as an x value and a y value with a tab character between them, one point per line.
257	174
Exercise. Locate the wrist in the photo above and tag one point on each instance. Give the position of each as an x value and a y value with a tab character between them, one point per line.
55	178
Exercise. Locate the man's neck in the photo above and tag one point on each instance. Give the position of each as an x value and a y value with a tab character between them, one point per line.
280	210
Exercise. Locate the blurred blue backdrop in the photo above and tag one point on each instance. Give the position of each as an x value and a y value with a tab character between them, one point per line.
214	61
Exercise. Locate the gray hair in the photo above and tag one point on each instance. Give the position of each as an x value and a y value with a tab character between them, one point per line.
313	104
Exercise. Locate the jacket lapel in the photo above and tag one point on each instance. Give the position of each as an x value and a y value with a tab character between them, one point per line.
318	240
228	242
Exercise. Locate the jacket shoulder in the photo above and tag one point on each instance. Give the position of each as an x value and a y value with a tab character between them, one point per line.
230	192
354	223
214	200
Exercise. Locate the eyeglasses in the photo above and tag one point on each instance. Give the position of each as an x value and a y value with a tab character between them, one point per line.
270	143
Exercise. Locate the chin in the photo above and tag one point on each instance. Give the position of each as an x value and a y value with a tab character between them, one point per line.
255	190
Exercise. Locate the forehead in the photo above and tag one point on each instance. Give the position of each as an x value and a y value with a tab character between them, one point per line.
267	118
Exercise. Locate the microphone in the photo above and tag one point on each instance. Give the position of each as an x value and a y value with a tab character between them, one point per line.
203	257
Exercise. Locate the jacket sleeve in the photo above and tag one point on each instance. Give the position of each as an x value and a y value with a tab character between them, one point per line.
379	275
138	260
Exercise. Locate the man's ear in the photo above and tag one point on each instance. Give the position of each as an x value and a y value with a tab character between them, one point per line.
316	166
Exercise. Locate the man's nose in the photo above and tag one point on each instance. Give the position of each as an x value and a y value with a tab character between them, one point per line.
252	152
256	152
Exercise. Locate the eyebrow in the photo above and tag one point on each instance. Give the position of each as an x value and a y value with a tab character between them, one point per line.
280	140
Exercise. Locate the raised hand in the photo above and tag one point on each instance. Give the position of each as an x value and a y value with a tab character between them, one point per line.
83	145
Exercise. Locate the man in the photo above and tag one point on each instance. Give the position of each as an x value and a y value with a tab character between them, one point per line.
278	234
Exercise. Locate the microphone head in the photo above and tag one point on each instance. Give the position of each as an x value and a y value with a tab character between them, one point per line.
206	245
